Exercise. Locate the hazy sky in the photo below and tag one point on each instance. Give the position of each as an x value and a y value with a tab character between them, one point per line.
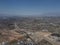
29	7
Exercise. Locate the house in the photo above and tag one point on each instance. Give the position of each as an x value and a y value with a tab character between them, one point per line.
55	36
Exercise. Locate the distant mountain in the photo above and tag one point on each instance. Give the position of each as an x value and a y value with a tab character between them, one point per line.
36	15
51	14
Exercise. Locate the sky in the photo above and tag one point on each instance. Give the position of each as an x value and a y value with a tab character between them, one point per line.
29	7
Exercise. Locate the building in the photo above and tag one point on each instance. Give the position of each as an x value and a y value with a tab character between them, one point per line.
55	36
